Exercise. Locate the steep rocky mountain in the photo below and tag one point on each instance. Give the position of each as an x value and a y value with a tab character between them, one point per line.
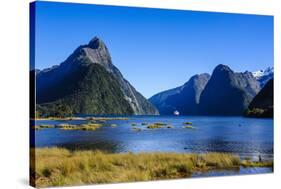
227	92
262	104
263	76
184	99
88	82
159	101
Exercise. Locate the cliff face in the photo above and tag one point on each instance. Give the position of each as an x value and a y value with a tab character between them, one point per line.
262	104
227	92
184	99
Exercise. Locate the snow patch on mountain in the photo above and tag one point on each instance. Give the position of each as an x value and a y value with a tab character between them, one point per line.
263	76
261	73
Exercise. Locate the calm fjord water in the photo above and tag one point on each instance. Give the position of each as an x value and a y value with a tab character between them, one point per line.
247	137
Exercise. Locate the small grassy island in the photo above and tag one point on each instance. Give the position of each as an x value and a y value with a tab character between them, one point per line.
43	126
97	122
84	127
156	125
92	124
188	127
58	166
65	126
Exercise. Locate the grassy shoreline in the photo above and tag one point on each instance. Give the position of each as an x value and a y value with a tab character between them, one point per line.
82	118
62	167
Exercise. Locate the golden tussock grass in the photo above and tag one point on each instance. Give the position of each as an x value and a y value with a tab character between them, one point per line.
84	127
106	118
60	167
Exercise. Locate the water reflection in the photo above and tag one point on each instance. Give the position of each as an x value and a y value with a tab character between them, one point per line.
232	172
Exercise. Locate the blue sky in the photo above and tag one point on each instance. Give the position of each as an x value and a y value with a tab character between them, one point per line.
155	49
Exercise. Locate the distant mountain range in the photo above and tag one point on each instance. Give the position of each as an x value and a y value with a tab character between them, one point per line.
87	82
263	76
225	92
184	99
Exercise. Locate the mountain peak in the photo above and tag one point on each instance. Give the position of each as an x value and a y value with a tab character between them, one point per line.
204	76
104	90
95	43
222	67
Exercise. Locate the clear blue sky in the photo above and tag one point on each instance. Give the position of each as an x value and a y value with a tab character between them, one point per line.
155	49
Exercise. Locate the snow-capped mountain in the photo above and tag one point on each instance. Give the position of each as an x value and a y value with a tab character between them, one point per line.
263	76
261	73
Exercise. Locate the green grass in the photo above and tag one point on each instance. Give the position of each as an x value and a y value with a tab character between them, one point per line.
106	118
248	163
46	126
154	126
189	127
43	126
157	125
61	167
102	119
161	124
65	126
89	126
187	123
60	118
85	127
